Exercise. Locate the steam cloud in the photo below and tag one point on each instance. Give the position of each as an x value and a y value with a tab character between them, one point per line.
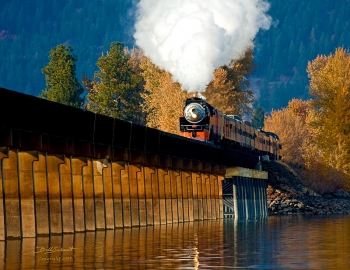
191	38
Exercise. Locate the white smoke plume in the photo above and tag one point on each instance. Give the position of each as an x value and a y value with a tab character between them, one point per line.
192	38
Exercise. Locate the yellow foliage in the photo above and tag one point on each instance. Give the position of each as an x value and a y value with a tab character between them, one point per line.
289	124
163	99
227	91
295	126
329	119
220	93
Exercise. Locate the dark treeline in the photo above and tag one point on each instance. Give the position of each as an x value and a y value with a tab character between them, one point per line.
30	29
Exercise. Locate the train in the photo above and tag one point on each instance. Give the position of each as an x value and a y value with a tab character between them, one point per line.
201	121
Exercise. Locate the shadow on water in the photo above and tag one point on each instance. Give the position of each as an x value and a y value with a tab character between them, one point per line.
275	243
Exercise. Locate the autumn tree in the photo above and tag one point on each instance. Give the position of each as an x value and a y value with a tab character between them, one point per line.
329	121
229	90
289	124
115	89
163	98
61	83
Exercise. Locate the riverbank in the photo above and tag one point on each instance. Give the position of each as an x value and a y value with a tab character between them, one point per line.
288	196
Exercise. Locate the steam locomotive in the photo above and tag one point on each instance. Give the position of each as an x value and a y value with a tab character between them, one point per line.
203	122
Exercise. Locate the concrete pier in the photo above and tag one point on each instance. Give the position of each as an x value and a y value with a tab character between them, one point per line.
249	193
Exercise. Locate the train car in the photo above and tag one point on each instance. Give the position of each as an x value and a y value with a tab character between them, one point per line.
201	121
272	146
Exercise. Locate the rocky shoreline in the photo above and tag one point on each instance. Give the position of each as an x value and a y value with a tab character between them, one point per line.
288	196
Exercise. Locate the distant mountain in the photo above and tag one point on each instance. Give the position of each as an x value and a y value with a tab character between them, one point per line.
301	30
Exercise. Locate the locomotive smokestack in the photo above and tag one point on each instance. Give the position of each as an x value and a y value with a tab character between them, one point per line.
191	38
198	95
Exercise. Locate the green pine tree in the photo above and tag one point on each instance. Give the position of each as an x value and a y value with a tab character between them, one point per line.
258	117
115	90
61	83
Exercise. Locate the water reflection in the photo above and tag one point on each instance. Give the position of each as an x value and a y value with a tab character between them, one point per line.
311	242
275	243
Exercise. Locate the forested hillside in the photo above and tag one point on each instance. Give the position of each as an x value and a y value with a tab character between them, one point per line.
30	29
301	30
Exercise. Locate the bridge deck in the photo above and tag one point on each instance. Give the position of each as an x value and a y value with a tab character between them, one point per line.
31	123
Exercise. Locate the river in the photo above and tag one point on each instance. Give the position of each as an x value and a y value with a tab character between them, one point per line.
289	242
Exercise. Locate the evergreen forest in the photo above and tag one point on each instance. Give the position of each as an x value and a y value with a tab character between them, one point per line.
301	30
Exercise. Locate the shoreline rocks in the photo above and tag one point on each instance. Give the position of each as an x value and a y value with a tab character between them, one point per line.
284	203
287	196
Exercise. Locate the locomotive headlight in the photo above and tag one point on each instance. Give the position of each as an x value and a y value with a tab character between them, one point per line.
194	113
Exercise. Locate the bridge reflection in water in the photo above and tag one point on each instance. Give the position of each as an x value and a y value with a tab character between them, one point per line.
171	246
290	242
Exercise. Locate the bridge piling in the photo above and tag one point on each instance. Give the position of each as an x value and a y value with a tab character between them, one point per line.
54	193
89	201
190	196
117	173
108	195
155	198
162	199
11	195
3	154
249	193
66	195
78	193
41	195
257	197
134	178
99	193
26	189
149	175
168	197
174	176
195	204
126	201
219	196
185	197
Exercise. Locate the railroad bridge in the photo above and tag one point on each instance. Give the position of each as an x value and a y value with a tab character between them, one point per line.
66	170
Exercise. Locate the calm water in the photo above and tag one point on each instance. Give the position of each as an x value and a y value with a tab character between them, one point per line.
276	243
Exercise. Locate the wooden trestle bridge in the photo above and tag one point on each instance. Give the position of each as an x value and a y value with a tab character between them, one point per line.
66	170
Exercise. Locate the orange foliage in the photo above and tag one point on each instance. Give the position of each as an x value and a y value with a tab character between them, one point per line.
289	124
329	118
163	98
228	90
